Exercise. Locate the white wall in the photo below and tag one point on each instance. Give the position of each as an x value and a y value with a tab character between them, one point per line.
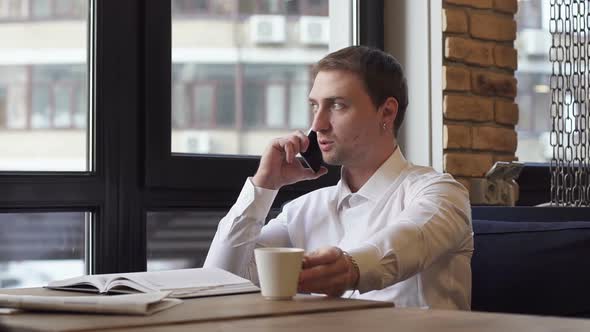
413	34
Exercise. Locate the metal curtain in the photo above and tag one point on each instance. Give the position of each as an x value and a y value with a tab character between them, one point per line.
570	88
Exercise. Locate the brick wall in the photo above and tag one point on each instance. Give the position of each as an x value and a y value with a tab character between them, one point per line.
479	86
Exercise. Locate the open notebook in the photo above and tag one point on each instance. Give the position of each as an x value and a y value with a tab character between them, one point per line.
181	283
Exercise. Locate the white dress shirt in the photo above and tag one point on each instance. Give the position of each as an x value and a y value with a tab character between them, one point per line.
408	228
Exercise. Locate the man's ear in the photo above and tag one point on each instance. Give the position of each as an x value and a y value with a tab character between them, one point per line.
390	111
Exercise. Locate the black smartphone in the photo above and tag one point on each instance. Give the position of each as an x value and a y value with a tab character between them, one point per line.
313	155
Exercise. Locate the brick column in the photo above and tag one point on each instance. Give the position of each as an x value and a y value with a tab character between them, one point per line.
479	86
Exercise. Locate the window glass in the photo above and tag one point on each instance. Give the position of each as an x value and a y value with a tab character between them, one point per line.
533	74
253	104
43	84
316	8
36	248
298	117
225	111
13	9
530	14
247	7
293	7
42	106
275	104
41	8
232	93
63	106
190	6
223	7
181	239
270	6
203	101
69	8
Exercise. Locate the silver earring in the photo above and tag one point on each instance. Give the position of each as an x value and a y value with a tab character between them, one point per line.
384	126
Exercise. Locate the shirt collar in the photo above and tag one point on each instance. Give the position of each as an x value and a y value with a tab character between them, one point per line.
379	182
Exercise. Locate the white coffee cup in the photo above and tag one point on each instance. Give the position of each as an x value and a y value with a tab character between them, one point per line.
278	271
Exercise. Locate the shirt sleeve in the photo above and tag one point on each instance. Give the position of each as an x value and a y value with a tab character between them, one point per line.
242	230
435	222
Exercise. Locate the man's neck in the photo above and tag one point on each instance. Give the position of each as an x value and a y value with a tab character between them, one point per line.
357	175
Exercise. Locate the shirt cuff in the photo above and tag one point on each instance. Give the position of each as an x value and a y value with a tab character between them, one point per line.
368	259
254	202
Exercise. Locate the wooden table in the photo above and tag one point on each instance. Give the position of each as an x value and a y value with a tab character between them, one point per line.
250	312
386	319
216	308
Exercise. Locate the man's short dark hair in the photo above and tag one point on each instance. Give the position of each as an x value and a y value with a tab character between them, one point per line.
380	72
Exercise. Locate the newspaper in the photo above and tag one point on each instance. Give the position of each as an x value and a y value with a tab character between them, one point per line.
131	304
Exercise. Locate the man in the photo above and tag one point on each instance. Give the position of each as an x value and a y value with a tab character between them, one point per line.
389	230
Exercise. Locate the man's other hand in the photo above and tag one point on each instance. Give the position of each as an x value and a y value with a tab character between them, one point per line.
327	271
279	165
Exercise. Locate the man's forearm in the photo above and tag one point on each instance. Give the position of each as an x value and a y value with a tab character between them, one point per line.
232	248
233	245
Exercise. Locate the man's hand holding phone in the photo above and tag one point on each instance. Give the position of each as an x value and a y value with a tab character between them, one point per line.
279	165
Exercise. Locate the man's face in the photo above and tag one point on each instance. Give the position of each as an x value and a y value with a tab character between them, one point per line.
345	119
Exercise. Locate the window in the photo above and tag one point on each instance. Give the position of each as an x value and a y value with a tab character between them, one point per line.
211	8
203	97
40	247
308	7
43	91
119	93
180	6
263	58
51	10
13	9
268	7
13	98
58	96
181	239
273	97
47	210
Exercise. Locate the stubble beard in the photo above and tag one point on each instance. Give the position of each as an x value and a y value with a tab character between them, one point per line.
334	158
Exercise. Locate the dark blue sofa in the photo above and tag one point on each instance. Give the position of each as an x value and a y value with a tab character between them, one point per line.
532	260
